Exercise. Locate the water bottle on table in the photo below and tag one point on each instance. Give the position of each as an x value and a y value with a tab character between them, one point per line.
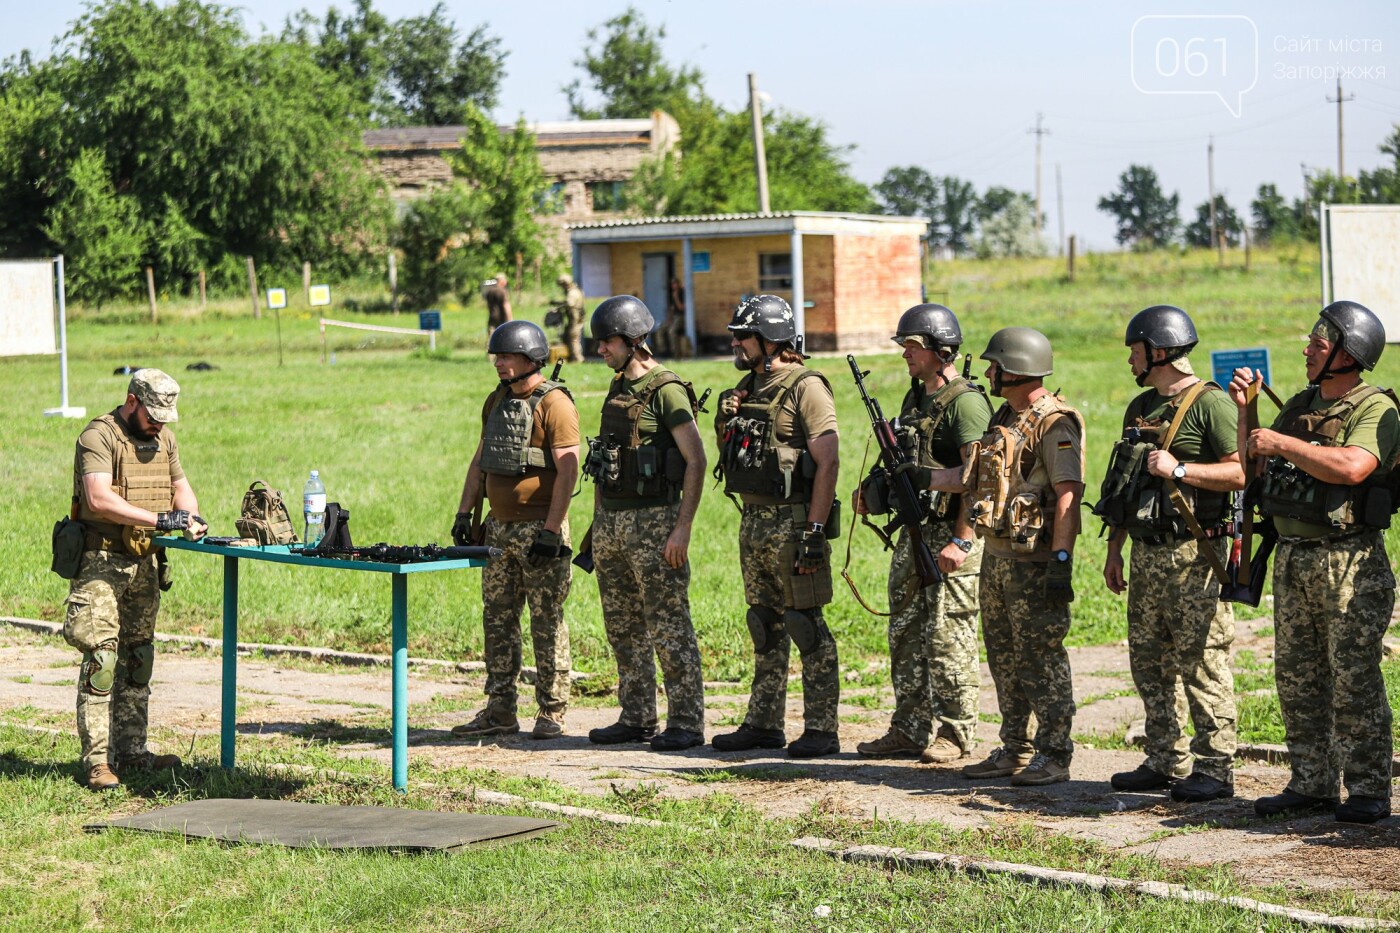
313	498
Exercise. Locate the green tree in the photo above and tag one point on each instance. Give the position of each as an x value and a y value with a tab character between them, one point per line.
443	242
1382	186
1274	218
1007	226
1198	232
627	69
351	47
909	191
434	79
957	215
1146	217
1322	186
102	229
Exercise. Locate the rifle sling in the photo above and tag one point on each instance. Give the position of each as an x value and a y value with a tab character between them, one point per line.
1174	493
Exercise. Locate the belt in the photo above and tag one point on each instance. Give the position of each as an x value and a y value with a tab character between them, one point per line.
1167	537
1324	539
93	541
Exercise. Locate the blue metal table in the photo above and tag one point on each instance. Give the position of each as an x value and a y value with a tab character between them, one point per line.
281	554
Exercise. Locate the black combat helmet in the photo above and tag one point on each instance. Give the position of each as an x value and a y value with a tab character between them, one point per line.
1363	335
935	323
523	337
1020	351
768	316
1162	327
621	315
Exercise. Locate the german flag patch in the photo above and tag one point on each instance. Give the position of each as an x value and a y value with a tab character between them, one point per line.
1065	445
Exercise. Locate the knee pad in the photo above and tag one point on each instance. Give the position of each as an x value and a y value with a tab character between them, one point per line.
806	631
763	628
140	659
99	669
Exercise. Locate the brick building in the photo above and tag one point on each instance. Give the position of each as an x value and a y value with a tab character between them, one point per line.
848	276
588	161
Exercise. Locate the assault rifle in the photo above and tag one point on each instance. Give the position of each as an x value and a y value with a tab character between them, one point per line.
401	553
910	511
1245	574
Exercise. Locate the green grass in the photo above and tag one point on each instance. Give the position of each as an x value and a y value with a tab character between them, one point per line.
391	430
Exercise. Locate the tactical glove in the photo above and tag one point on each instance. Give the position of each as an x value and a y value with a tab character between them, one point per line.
811	551
1059	590
548	546
729	406
462	529
174	520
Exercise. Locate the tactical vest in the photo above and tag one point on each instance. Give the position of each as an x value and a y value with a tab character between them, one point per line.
1288	491
1134	500
915	434
505	443
140	475
751	458
617	459
1002	500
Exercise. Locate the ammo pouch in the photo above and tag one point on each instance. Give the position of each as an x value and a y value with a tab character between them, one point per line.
1288	491
875	492
138	540
1025	520
805	590
264	516
68	541
1128	498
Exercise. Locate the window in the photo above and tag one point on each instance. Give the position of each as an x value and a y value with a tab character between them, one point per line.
774	271
552	201
606	195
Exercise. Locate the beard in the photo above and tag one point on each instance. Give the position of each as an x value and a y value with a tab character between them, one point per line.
742	360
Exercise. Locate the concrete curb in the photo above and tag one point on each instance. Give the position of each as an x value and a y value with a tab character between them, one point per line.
907	860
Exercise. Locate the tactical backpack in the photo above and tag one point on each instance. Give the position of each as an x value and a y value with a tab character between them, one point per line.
264	516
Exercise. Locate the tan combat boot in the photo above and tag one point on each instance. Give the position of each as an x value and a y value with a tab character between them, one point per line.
944	750
100	777
893	744
999	763
548	726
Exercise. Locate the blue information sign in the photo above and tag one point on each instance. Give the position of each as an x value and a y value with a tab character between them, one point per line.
1223	363
700	262
430	320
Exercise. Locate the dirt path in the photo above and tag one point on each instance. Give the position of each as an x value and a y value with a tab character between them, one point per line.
278	698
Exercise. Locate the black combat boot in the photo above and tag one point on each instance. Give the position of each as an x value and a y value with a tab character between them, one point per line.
814	743
748	737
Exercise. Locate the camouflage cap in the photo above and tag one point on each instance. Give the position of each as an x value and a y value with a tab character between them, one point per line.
157	392
565	279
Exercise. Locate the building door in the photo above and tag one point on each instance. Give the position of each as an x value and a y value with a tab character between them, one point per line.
657	269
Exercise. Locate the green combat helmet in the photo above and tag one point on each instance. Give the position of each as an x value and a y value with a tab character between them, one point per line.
1018	351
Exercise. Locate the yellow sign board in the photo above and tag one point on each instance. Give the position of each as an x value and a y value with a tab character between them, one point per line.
320	295
276	298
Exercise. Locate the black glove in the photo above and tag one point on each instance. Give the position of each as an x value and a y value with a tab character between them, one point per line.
462	529
811	551
1059	590
174	520
548	546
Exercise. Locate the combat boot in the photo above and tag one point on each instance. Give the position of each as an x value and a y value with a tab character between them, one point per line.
1198	788
814	743
1000	763
1140	779
548	726
748	737
944	750
676	740
147	761
1291	803
100	777
1039	772
892	744
620	733
489	722
1360	809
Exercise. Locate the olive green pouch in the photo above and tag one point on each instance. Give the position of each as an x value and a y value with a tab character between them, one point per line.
68	537
806	590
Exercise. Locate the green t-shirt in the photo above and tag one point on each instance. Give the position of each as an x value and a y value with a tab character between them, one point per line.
965	421
1374	427
669	409
1208	433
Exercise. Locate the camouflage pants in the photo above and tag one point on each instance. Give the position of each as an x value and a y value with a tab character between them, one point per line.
768	536
1179	635
112	604
1026	653
573	339
933	643
646	608
1332	605
507	584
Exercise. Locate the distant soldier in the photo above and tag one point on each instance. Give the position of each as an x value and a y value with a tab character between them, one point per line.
779	453
1026	482
648	462
128	486
571	316
1330	485
933	630
1182	431
526	466
497	303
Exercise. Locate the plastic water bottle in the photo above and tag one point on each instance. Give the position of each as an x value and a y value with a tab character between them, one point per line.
313	499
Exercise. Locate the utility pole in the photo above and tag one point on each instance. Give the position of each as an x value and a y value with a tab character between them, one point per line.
1216	239
1339	100
1040	133
760	161
1060	207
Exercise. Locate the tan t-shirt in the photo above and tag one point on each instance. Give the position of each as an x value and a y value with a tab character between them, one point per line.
97	453
527	497
1059	458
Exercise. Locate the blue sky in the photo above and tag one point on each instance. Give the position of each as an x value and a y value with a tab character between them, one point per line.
955	86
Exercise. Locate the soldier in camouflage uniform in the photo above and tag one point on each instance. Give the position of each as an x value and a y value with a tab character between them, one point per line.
525	465
1179	631
571	311
649	466
1329	485
779	452
1024	482
933	630
127	485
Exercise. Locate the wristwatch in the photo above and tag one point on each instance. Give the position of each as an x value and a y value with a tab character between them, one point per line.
962	543
1179	472
1061	556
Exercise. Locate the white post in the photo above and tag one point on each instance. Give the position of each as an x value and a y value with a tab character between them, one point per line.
799	309
64	410
689	278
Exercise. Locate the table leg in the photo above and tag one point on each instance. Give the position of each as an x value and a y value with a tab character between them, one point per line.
228	726
400	707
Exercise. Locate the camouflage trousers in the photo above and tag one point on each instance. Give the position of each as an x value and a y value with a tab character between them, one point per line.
573	339
1026	654
646	608
933	643
1179	635
112	605
768	536
507	584
1332	605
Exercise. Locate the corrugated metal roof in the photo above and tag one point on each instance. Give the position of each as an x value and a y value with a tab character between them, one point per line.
551	133
721	218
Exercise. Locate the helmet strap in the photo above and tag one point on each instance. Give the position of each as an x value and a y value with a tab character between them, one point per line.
507	383
1328	372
